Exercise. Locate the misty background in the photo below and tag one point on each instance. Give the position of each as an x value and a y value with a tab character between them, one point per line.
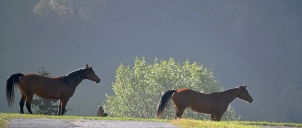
256	42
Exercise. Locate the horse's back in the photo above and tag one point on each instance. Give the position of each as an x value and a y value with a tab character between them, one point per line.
29	80
183	93
33	79
186	92
34	83
199	102
182	97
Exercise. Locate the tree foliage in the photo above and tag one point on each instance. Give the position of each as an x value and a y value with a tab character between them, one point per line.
65	11
138	90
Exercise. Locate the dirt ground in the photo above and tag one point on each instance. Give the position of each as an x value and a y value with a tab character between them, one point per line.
55	123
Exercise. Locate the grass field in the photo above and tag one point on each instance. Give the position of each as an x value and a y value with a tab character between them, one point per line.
186	123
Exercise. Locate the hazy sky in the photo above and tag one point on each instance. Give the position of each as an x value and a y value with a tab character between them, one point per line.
245	42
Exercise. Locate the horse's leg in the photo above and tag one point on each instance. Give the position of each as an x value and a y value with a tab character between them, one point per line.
212	117
218	116
28	102
179	113
179	110
179	106
64	103
21	103
60	107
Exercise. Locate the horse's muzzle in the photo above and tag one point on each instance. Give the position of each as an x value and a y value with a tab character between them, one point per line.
251	101
98	81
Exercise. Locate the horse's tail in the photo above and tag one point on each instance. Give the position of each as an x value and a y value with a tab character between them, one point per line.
163	102
12	80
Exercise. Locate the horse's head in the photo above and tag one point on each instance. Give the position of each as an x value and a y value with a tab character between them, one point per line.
244	94
90	74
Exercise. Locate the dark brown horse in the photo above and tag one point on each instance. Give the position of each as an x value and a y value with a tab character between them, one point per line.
61	87
214	103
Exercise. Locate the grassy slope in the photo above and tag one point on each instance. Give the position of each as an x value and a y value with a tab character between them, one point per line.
187	123
4	118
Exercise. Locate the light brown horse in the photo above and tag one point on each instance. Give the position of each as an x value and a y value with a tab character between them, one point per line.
214	103
62	87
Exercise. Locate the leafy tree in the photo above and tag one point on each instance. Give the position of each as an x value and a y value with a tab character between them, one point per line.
138	90
45	106
66	11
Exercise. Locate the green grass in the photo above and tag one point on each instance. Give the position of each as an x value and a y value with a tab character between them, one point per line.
189	123
185	123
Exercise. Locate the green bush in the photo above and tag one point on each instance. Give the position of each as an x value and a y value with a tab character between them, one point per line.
138	89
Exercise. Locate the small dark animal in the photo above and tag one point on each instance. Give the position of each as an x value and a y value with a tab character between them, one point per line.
100	112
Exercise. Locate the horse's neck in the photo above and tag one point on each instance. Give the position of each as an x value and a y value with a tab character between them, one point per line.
74	79
78	80
230	95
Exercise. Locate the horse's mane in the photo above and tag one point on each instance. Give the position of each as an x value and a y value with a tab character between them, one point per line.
76	76
224	91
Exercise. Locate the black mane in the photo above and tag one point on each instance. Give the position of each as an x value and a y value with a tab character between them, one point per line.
74	76
223	91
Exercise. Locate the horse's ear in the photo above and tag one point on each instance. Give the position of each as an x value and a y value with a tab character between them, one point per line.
87	66
91	66
244	86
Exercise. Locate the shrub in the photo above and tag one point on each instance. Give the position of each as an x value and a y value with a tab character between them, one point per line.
138	89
